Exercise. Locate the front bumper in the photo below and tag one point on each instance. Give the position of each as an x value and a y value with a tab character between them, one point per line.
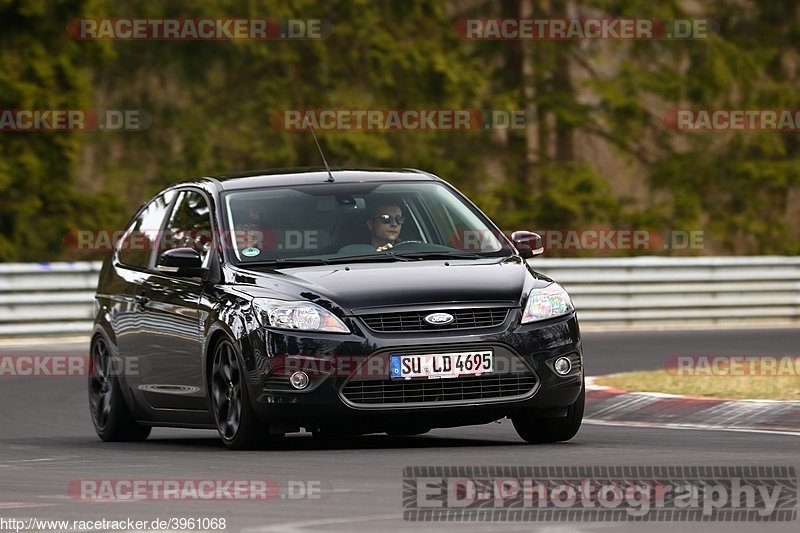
334	361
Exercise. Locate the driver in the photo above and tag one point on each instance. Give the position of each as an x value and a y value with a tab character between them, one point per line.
385	224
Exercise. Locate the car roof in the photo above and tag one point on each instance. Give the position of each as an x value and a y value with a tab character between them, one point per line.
307	175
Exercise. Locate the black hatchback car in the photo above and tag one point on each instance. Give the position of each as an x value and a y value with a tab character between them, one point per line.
357	301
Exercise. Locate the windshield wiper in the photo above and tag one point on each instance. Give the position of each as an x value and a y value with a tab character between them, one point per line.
440	255
283	261
386	256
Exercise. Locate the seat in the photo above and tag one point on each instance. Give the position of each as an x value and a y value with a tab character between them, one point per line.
351	228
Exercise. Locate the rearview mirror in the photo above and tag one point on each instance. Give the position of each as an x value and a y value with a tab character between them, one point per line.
527	243
181	262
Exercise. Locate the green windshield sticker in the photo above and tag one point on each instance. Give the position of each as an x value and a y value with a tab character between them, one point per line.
251	252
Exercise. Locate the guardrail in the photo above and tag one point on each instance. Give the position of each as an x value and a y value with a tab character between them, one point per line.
655	291
57	298
47	298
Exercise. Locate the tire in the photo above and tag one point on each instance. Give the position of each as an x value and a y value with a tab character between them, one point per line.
544	430
237	423
110	415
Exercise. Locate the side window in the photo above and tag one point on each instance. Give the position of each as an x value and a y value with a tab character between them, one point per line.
189	225
139	240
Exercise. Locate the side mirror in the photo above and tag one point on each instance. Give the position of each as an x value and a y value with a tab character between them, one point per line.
527	243
181	262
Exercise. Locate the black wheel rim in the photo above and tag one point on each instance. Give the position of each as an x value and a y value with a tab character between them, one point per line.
226	391
100	384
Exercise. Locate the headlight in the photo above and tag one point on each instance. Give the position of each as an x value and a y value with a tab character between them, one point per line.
304	316
549	302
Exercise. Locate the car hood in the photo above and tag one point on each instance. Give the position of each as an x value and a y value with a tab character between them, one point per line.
364	287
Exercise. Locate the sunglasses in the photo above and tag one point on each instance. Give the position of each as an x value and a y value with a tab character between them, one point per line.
386	219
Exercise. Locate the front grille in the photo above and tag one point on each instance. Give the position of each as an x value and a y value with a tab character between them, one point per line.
414	320
439	390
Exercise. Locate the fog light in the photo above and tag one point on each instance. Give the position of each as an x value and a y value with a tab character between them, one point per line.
299	380
562	366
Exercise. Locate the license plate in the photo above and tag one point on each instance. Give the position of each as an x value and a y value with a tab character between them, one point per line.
442	365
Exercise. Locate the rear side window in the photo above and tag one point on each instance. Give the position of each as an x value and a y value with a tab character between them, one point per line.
189	225
134	248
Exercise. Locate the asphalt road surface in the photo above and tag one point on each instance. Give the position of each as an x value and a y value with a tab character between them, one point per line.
47	441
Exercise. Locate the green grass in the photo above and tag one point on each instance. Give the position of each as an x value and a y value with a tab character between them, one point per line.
728	387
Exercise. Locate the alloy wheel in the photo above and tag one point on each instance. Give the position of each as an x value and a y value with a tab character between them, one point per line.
226	390
101	384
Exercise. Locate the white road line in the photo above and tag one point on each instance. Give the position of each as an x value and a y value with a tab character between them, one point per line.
591	385
23	505
40	460
698	427
700	326
47	341
105	467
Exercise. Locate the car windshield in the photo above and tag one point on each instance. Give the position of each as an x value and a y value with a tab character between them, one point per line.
339	222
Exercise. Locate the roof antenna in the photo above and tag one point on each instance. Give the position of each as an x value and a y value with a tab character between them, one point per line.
330	174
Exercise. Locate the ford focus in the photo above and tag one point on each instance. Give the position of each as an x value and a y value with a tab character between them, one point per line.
344	302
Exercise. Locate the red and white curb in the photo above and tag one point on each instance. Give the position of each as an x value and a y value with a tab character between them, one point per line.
606	405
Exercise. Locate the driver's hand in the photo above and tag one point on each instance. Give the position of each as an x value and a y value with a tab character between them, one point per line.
384	247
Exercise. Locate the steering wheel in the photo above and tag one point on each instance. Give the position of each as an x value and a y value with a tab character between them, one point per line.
386	247
406	242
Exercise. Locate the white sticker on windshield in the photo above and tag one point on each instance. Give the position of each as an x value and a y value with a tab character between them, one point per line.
251	252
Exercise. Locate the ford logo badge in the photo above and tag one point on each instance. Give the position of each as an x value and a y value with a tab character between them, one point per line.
439	319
